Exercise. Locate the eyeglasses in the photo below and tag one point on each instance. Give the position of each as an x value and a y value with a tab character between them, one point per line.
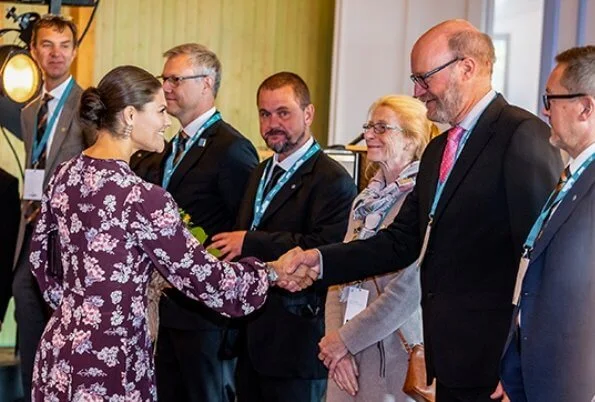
421	79
379	128
548	97
175	80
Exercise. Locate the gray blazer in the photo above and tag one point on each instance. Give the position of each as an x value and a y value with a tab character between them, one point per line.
68	141
371	335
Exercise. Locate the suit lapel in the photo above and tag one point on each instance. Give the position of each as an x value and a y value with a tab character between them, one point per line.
63	125
192	157
565	208
290	188
478	139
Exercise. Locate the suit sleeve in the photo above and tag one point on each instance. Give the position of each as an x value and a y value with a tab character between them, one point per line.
391	249
531	169
330	211
399	300
10	220
237	165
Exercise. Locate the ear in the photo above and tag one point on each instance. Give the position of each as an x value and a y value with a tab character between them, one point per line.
587	104
469	67
209	83
309	114
129	115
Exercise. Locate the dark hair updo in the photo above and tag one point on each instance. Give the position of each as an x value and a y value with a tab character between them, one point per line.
123	86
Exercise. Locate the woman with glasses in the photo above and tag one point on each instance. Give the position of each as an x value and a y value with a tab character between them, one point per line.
366	355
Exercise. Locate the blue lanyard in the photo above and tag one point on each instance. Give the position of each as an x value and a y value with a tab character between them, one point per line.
546	212
260	204
440	186
170	168
39	147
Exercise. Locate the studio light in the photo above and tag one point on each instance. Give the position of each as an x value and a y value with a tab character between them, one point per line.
20	78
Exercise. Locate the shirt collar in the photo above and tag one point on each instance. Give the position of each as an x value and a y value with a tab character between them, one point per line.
581	158
473	116
288	162
57	92
197	123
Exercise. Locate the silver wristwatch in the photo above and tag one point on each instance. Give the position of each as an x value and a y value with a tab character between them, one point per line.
271	273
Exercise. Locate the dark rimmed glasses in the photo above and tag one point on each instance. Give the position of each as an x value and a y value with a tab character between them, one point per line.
379	128
175	80
548	97
421	79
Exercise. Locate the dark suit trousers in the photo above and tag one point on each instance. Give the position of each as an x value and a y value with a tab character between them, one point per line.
32	313
479	394
188	367
254	387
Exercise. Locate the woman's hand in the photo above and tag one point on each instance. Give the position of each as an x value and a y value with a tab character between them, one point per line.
345	375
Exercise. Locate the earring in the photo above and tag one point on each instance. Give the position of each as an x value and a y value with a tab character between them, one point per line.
128	130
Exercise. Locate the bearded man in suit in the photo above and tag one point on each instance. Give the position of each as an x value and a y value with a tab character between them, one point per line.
480	187
298	197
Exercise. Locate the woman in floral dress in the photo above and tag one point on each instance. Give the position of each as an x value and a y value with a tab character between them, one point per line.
101	233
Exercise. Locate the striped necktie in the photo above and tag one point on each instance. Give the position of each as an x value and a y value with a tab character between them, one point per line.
42	121
182	140
552	204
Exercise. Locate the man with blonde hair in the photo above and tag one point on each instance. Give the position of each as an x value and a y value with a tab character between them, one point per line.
206	168
480	186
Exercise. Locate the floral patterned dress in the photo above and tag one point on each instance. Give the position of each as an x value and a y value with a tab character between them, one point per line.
112	230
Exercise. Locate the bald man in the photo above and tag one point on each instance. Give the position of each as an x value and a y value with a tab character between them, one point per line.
480	186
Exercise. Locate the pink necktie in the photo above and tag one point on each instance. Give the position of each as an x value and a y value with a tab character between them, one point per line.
450	152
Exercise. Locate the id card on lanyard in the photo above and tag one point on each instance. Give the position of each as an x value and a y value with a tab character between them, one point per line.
33	183
261	203
538	226
439	189
170	168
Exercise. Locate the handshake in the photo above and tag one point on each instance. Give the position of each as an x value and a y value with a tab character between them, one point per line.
297	269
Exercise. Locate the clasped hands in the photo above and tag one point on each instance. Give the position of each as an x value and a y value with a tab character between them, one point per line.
297	269
340	363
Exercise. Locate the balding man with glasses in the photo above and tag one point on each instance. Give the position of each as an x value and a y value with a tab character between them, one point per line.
206	168
480	186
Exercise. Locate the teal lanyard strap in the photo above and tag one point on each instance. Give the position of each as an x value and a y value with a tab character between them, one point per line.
261	202
170	168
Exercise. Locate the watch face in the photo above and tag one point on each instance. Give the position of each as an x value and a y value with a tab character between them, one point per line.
272	274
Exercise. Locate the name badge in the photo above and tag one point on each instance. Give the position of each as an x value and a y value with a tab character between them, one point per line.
33	187
357	300
523	265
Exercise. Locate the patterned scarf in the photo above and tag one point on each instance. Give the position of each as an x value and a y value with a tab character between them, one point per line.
373	204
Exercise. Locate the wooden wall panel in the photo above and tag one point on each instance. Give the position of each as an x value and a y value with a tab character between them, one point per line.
253	39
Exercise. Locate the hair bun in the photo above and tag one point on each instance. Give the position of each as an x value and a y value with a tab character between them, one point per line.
92	109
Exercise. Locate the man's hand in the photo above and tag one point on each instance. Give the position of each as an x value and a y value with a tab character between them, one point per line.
345	375
291	261
229	243
499	394
332	349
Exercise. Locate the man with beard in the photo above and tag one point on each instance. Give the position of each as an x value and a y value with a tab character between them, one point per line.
479	189
205	168
298	197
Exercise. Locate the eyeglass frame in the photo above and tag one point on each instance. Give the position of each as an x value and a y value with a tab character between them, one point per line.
366	126
546	98
175	80
420	79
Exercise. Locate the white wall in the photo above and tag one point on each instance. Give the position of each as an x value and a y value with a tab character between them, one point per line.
373	39
522	21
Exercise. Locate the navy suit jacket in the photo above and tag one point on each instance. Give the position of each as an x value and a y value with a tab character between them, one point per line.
552	356
311	209
493	195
